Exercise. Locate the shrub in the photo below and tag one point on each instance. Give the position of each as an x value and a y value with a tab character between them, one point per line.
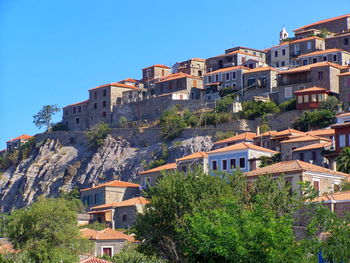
288	105
253	109
223	135
190	118
97	134
214	118
123	122
59	126
331	103
314	120
171	124
224	103
162	160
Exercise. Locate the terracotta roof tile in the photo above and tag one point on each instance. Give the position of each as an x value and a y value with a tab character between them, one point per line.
323	52
115	183
176	76
344	114
321	132
105	234
226	69
75	104
157	66
94	260
115	84
344	74
259	69
22	137
169	166
313	146
240	52
318	89
305	139
288	132
310	66
242	146
268	133
129	80
197	155
133	201
322	21
338	196
292	166
239	137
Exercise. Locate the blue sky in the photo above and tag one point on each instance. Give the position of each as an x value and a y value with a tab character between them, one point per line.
52	52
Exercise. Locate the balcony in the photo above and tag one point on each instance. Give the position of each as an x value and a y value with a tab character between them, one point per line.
287	82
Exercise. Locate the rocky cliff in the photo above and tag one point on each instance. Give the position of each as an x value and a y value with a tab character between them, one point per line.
55	166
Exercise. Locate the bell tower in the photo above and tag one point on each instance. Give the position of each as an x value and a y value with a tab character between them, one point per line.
283	34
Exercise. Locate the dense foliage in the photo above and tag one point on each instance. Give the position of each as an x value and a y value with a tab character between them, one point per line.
171	123
46	232
162	159
253	109
222	105
44	116
59	126
223	219
97	134
287	105
331	103
315	120
343	160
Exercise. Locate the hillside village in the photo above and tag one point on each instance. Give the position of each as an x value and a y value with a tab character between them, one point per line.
307	68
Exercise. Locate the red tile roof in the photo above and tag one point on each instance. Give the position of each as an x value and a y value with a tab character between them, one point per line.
323	52
344	114
157	66
321	132
22	137
260	69
268	133
313	89
287	132
242	146
165	167
338	196
197	155
305	139
313	146
240	52
115	183
323	21
344	74
292	167
129	202
226	69
177	76
310	66
75	104
129	80
106	234
115	84
239	137
94	260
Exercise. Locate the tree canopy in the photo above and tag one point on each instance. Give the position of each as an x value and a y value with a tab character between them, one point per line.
44	116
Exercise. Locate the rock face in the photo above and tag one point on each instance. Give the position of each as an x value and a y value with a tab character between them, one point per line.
53	167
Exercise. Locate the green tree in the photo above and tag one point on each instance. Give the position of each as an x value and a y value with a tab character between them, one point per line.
59	126
47	231
223	104
253	109
288	105
171	123
331	103
190	118
314	120
44	116
123	122
97	135
343	160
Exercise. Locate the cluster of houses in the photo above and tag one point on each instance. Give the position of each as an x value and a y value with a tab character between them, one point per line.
309	67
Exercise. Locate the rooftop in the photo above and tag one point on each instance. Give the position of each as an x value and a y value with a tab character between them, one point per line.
115	84
268	133
323	52
310	66
313	146
313	89
226	69
115	183
75	104
106	234
305	139
129	202
22	137
344	74
177	76
338	196
321	132
197	155
239	137
165	167
242	146
157	66
94	260
259	69
322	21
344	114
292	167
287	132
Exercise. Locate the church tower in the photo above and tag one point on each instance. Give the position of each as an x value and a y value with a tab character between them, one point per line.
283	34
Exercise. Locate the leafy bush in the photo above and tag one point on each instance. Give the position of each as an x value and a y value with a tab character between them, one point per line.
163	158
314	120
223	104
223	135
214	118
97	134
171	124
331	103
123	122
288	105
190	118
59	126
253	109
95	225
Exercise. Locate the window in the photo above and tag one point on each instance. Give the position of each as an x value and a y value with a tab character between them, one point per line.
306	98
342	140
288	92
233	75
313	98
224	165
283	64
216	77
314	155
95	106
283	52
227	76
232	163
346	41
301	156
77	120
320	75
336	188
250	81
276	54
300	99
124	218
316	185
308	45
334	57
321	97
104	104
104	93
209	78
148	73
73	109
314	60
66	112
305	62
79	109
277	65
324	58
97	199
200	73
162	72
104	114
214	165
107	251
184	169
242	162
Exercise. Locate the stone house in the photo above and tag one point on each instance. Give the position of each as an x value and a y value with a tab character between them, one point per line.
325	133
190	162
106	242
230	77
305	46
149	177
265	140
341	41
280	56
17	142
230	59
259	82
243	137
102	99
342	132
194	67
310	98
321	74
134	95
322	179
179	82
344	90
261	54
151	74
76	116
110	192
334	55
119	215
278	137
297	142
336	25
244	156
313	153
338	202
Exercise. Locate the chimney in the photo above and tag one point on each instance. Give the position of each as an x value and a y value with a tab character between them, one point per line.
257	130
